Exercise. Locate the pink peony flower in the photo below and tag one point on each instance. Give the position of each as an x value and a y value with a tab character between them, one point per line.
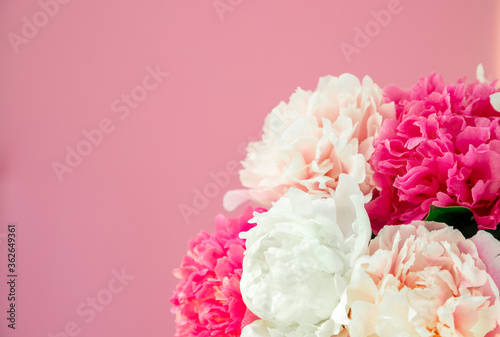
443	149
208	301
423	279
308	142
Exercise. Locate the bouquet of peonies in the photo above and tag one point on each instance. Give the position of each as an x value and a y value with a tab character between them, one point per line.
379	218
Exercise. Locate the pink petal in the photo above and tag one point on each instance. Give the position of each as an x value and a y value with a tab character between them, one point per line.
488	249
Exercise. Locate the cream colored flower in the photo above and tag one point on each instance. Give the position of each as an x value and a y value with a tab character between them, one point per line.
310	141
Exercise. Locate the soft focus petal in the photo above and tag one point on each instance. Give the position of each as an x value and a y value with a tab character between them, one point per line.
232	199
480	73
258	328
495	101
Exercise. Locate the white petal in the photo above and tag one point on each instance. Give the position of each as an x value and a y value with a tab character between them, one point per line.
232	199
480	73
495	101
257	328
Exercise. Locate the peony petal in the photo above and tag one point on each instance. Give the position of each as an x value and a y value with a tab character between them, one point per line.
232	199
480	73
495	101
258	328
488	249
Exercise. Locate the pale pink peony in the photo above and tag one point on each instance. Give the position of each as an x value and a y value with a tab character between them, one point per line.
310	141
208	301
443	149
423	279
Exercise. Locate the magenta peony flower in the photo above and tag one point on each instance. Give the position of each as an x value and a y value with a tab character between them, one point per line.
208	301
443	149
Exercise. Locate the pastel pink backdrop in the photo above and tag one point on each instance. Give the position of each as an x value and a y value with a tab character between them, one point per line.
119	208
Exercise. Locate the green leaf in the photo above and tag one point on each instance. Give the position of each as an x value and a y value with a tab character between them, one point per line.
452	213
458	217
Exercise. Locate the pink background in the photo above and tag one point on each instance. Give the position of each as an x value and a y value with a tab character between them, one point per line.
119	208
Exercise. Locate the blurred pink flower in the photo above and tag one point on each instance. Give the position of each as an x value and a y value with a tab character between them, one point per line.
207	301
443	149
423	279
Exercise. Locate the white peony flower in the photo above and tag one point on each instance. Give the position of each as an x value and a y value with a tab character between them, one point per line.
310	141
299	256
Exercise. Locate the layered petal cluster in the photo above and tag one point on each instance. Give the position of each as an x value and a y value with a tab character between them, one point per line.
443	149
207	300
310	141
299	258
423	279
